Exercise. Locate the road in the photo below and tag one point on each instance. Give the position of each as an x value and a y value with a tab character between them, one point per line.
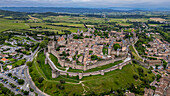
28	77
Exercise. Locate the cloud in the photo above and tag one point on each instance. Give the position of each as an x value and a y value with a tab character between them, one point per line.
85	3
81	0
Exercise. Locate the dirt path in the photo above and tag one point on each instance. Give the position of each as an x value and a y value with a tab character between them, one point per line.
84	88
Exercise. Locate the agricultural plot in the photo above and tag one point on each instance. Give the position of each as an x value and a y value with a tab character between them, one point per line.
6	24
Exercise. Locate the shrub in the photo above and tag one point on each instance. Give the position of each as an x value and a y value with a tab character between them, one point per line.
26	92
10	74
135	76
62	81
32	90
40	79
21	81
29	64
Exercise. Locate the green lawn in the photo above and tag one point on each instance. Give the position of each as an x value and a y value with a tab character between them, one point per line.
16	64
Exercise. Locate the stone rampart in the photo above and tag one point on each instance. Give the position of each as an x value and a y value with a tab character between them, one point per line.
101	72
75	66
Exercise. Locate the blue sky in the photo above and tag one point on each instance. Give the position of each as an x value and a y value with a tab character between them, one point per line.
86	3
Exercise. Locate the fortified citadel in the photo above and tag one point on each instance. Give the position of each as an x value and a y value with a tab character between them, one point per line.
89	53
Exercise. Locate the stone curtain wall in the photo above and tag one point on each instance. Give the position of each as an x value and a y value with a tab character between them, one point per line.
100	72
60	72
75	66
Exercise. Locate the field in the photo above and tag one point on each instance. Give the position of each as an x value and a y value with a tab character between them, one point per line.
6	24
157	19
61	23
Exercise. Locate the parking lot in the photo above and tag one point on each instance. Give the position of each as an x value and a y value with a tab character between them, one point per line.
11	82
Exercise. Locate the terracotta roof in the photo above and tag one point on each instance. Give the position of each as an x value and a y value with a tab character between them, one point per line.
159	40
4	59
3	55
61	38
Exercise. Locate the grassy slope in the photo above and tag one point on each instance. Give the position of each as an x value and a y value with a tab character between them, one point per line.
135	54
98	84
49	84
55	61
115	79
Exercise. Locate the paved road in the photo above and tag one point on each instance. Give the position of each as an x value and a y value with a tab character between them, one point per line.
33	38
28	77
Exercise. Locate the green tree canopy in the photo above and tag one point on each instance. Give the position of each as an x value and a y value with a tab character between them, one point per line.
116	46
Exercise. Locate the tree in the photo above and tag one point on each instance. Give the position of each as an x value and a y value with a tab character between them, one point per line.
62	81
164	64
90	52
94	57
43	44
21	81
132	88
12	85
4	90
15	77
158	76
156	66
151	68
18	95
32	90
26	92
10	74
141	71
116	46
135	76
40	79
29	64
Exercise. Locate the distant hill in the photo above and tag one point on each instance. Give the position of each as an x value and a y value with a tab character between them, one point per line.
57	9
78	10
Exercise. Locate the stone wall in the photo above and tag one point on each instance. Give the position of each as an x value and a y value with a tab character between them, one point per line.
75	66
101	72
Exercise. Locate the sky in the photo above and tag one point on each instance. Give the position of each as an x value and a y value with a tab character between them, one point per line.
87	3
